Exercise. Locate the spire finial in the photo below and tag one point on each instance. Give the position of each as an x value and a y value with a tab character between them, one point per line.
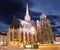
27	1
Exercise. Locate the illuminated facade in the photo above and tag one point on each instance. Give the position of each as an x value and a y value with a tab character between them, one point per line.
45	35
24	32
3	38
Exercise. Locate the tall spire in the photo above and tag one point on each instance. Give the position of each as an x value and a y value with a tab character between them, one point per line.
27	12
27	17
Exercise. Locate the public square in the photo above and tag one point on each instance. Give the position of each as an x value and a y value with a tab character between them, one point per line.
41	47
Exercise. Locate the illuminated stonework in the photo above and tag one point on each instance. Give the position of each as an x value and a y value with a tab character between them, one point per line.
45	34
24	32
27	17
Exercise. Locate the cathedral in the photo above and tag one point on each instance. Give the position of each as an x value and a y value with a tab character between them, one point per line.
30	32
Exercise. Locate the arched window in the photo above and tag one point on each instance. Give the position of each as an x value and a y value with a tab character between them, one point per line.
15	35
11	36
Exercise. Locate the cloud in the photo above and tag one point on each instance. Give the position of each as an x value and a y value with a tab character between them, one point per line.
9	8
3	27
46	6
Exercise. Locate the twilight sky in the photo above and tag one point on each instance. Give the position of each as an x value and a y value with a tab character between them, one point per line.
9	8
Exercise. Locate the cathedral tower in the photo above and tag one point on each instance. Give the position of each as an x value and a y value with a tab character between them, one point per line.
27	17
42	17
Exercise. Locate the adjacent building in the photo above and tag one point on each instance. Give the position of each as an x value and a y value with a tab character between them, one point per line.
44	29
3	38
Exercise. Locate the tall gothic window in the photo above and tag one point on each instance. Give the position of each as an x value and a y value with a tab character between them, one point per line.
15	35
11	36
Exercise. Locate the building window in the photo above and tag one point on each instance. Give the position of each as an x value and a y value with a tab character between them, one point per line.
15	35
11	36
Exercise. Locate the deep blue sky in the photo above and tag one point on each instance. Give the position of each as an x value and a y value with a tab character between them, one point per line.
9	8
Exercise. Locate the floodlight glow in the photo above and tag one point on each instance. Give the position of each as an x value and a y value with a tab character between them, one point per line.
28	46
33	30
